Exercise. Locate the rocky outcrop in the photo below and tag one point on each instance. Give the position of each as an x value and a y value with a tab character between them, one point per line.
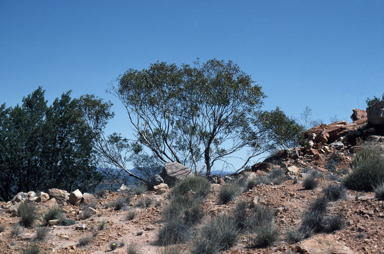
376	113
320	244
154	180
358	114
61	196
174	172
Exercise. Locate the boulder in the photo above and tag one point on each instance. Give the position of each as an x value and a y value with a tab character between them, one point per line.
293	169
88	199
174	172
154	180
51	203
19	197
322	137
263	166
358	114
75	197
279	155
161	188
320	244
43	197
123	188
375	113
61	196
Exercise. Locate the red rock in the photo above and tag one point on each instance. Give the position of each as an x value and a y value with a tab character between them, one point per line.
358	114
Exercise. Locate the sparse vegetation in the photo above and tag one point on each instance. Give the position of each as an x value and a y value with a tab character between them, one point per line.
144	202
102	193
132	249
319	205
334	223
379	191
170	250
67	222
193	215
240	215
86	213
2	228
266	235
131	214
294	236
17	230
310	183
260	216
140	188
28	214
334	192
368	171
34	249
276	176
119	204
229	192
101	225
54	213
197	186
174	232
85	241
41	234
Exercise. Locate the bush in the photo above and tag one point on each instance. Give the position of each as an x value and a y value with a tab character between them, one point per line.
102	193
334	223
144	202
197	185
101	225
67	222
294	236
86	213
41	234
17	230
365	175
34	249
28	214
276	176
54	213
218	234
364	156
132	249
113	245
266	236
85	241
229	192
310	183
260	216
131	214
319	205
193	215
178	205
169	250
335	192
312	223
140	188
253	182
240	215
174	232
379	191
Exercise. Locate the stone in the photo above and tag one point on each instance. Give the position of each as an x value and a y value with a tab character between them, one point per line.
13	209
81	227
161	188
53	222
263	166
123	188
61	196
174	172
154	180
31	194
337	145
75	197
20	197
88	198
43	197
149	227
319	244
358	114
322	137
310	143
254	202
293	169
279	155
51	203
375	113
221	181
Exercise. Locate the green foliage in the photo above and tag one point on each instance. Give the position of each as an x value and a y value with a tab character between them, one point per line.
229	192
185	114
144	202
266	235
294	236
240	215
132	249
199	186
334	223
174	232
131	214
379	191
370	102
43	146
28	214
193	215
367	171
335	192
260	216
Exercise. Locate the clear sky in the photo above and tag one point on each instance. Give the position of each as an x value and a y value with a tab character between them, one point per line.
328	54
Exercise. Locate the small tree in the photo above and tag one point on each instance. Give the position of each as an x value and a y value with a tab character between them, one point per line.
370	102
197	115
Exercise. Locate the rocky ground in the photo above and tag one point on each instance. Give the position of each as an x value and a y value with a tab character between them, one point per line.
362	213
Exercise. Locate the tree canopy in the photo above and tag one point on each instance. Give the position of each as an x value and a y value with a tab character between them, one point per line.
45	146
198	115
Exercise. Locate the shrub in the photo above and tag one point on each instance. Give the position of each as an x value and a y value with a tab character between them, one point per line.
379	191
102	193
140	188
174	232
253	182
294	236
17	230
177	206
144	202
67	222
2	228
170	250
363	156
41	234
28	214
316	174
335	192
86	213
276	176
228	192
131	214
218	234
101	225
260	216
266	235
365	175
54	213
334	223
197	185
312	223
85	241
240	215
319	205
193	215
34	249
132	249
310	183
113	245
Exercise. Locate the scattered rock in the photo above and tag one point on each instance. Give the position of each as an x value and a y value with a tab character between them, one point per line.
161	188
75	197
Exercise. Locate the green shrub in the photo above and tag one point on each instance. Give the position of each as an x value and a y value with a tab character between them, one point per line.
335	192
118	204
253	182
102	193
54	213
319	205
218	234
34	249
144	202
41	234
379	191
294	236
174	232
169	250
28	214
140	188
198	186
85	241
310	183
266	235
260	216
334	223
313	222
229	192
368	171
101	225
276	176
240	215
132	249
193	215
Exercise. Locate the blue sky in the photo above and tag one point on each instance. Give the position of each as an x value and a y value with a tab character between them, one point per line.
328	55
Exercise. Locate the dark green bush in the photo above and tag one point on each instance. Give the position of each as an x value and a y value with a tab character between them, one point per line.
310	183
294	236
276	176
367	171
260	216
266	235
198	186
313	222
240	215
319	205
335	192
28	214
174	232
193	215
334	223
